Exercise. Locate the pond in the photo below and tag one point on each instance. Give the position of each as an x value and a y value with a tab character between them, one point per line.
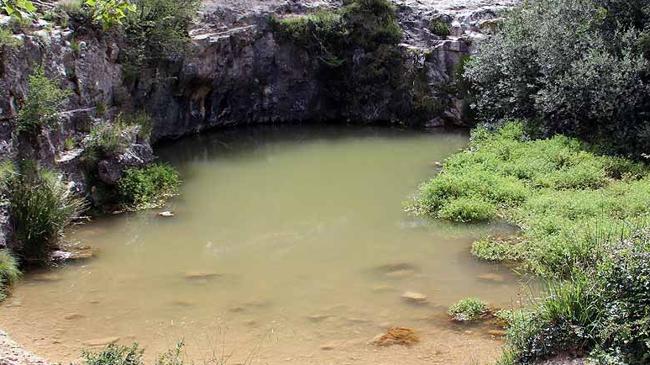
288	246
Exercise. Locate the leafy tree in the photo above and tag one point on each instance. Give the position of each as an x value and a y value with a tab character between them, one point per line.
570	66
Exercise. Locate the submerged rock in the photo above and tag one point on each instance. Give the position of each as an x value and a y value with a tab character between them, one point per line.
496	278
397	336
200	275
414	297
101	341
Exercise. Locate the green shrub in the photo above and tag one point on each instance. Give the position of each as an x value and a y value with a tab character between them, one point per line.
140	119
7	39
468	309
157	31
9	272
491	249
149	186
115	355
42	105
439	27
467	209
41	205
107	139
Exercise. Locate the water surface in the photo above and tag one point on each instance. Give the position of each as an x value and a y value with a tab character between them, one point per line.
288	246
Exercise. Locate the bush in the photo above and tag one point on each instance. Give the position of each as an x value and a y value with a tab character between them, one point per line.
492	249
439	27
572	67
468	309
157	31
9	272
148	186
42	104
115	355
7	39
40	205
467	209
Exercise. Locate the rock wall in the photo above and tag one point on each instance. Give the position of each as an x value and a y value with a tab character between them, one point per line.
237	72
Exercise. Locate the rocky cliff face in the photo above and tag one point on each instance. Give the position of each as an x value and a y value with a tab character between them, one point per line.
237	72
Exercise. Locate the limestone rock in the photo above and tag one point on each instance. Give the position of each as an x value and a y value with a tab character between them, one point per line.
414	297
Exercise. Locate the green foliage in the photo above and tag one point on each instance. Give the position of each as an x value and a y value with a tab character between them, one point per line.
468	209
157	31
439	27
493	249
107	139
7	39
42	105
109	13
41	205
468	309
69	144
18	8
570	66
9	272
115	355
149	186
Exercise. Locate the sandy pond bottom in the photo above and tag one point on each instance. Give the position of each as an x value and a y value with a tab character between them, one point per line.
289	246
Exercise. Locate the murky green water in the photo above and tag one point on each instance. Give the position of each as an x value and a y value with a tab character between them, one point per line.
289	246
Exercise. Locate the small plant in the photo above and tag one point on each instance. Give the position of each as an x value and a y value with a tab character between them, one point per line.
107	139
140	119
9	272
172	356
42	104
468	209
69	143
7	39
75	46
149	186
468	309
115	355
41	205
493	249
439	27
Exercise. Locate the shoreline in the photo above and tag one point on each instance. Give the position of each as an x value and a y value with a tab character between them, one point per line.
12	353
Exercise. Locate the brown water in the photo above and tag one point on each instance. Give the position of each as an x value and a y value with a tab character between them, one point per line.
289	246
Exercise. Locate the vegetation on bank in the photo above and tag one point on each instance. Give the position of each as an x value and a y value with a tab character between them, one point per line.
149	186
582	219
